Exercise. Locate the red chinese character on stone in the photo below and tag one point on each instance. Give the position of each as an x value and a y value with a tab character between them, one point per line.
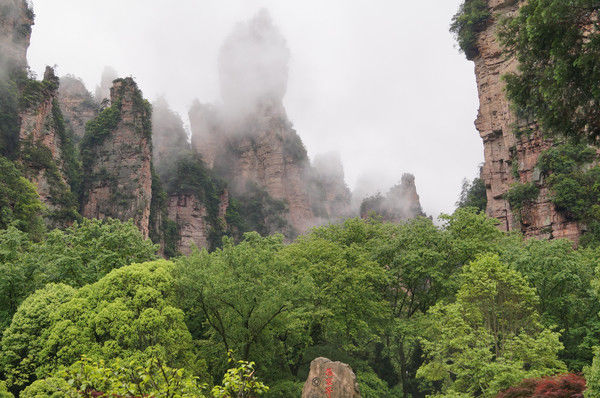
329	372
329	390
329	381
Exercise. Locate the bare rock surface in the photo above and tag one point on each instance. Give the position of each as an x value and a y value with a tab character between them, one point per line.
328	379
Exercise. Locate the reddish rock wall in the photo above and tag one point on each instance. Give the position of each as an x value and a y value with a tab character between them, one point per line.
118	181
16	19
77	104
502	148
263	149
191	216
41	144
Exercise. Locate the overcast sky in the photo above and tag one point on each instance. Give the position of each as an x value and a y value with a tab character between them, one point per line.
379	81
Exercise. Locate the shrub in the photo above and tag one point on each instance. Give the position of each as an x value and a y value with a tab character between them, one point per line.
567	385
520	195
473	194
470	20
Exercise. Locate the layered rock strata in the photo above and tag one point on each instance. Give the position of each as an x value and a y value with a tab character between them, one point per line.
77	104
46	148
16	19
508	158
117	155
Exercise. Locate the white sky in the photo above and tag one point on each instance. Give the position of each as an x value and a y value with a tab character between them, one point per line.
379	81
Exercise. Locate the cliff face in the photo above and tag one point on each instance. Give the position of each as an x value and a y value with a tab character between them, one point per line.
249	141
401	203
117	154
262	149
46	149
16	19
169	138
193	220
330	196
508	158
77	104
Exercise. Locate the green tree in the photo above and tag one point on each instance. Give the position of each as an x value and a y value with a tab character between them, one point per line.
420	273
349	312
557	45
473	194
471	18
22	342
240	381
20	204
119	378
78	255
88	250
243	297
471	233
562	277
51	387
129	314
490	338
3	391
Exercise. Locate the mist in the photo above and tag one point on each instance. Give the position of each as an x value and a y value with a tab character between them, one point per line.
380	83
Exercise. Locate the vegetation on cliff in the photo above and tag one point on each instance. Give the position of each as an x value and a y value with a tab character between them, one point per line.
20	205
470	20
473	194
574	183
557	44
9	115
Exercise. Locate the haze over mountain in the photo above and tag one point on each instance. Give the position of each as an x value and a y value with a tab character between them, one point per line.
389	100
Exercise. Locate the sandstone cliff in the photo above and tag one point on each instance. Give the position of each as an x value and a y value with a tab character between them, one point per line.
117	155
249	141
401	202
16	19
508	158
330	196
196	202
77	104
46	148
262	150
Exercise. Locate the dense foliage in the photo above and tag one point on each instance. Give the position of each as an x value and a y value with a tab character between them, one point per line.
78	255
557	44
416	309
470	20
520	195
473	194
561	386
490	338
20	205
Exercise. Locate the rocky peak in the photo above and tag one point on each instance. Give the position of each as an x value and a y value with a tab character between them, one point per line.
249	141
77	104
16	19
117	154
46	148
253	67
169	138
102	92
330	196
401	203
508	158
